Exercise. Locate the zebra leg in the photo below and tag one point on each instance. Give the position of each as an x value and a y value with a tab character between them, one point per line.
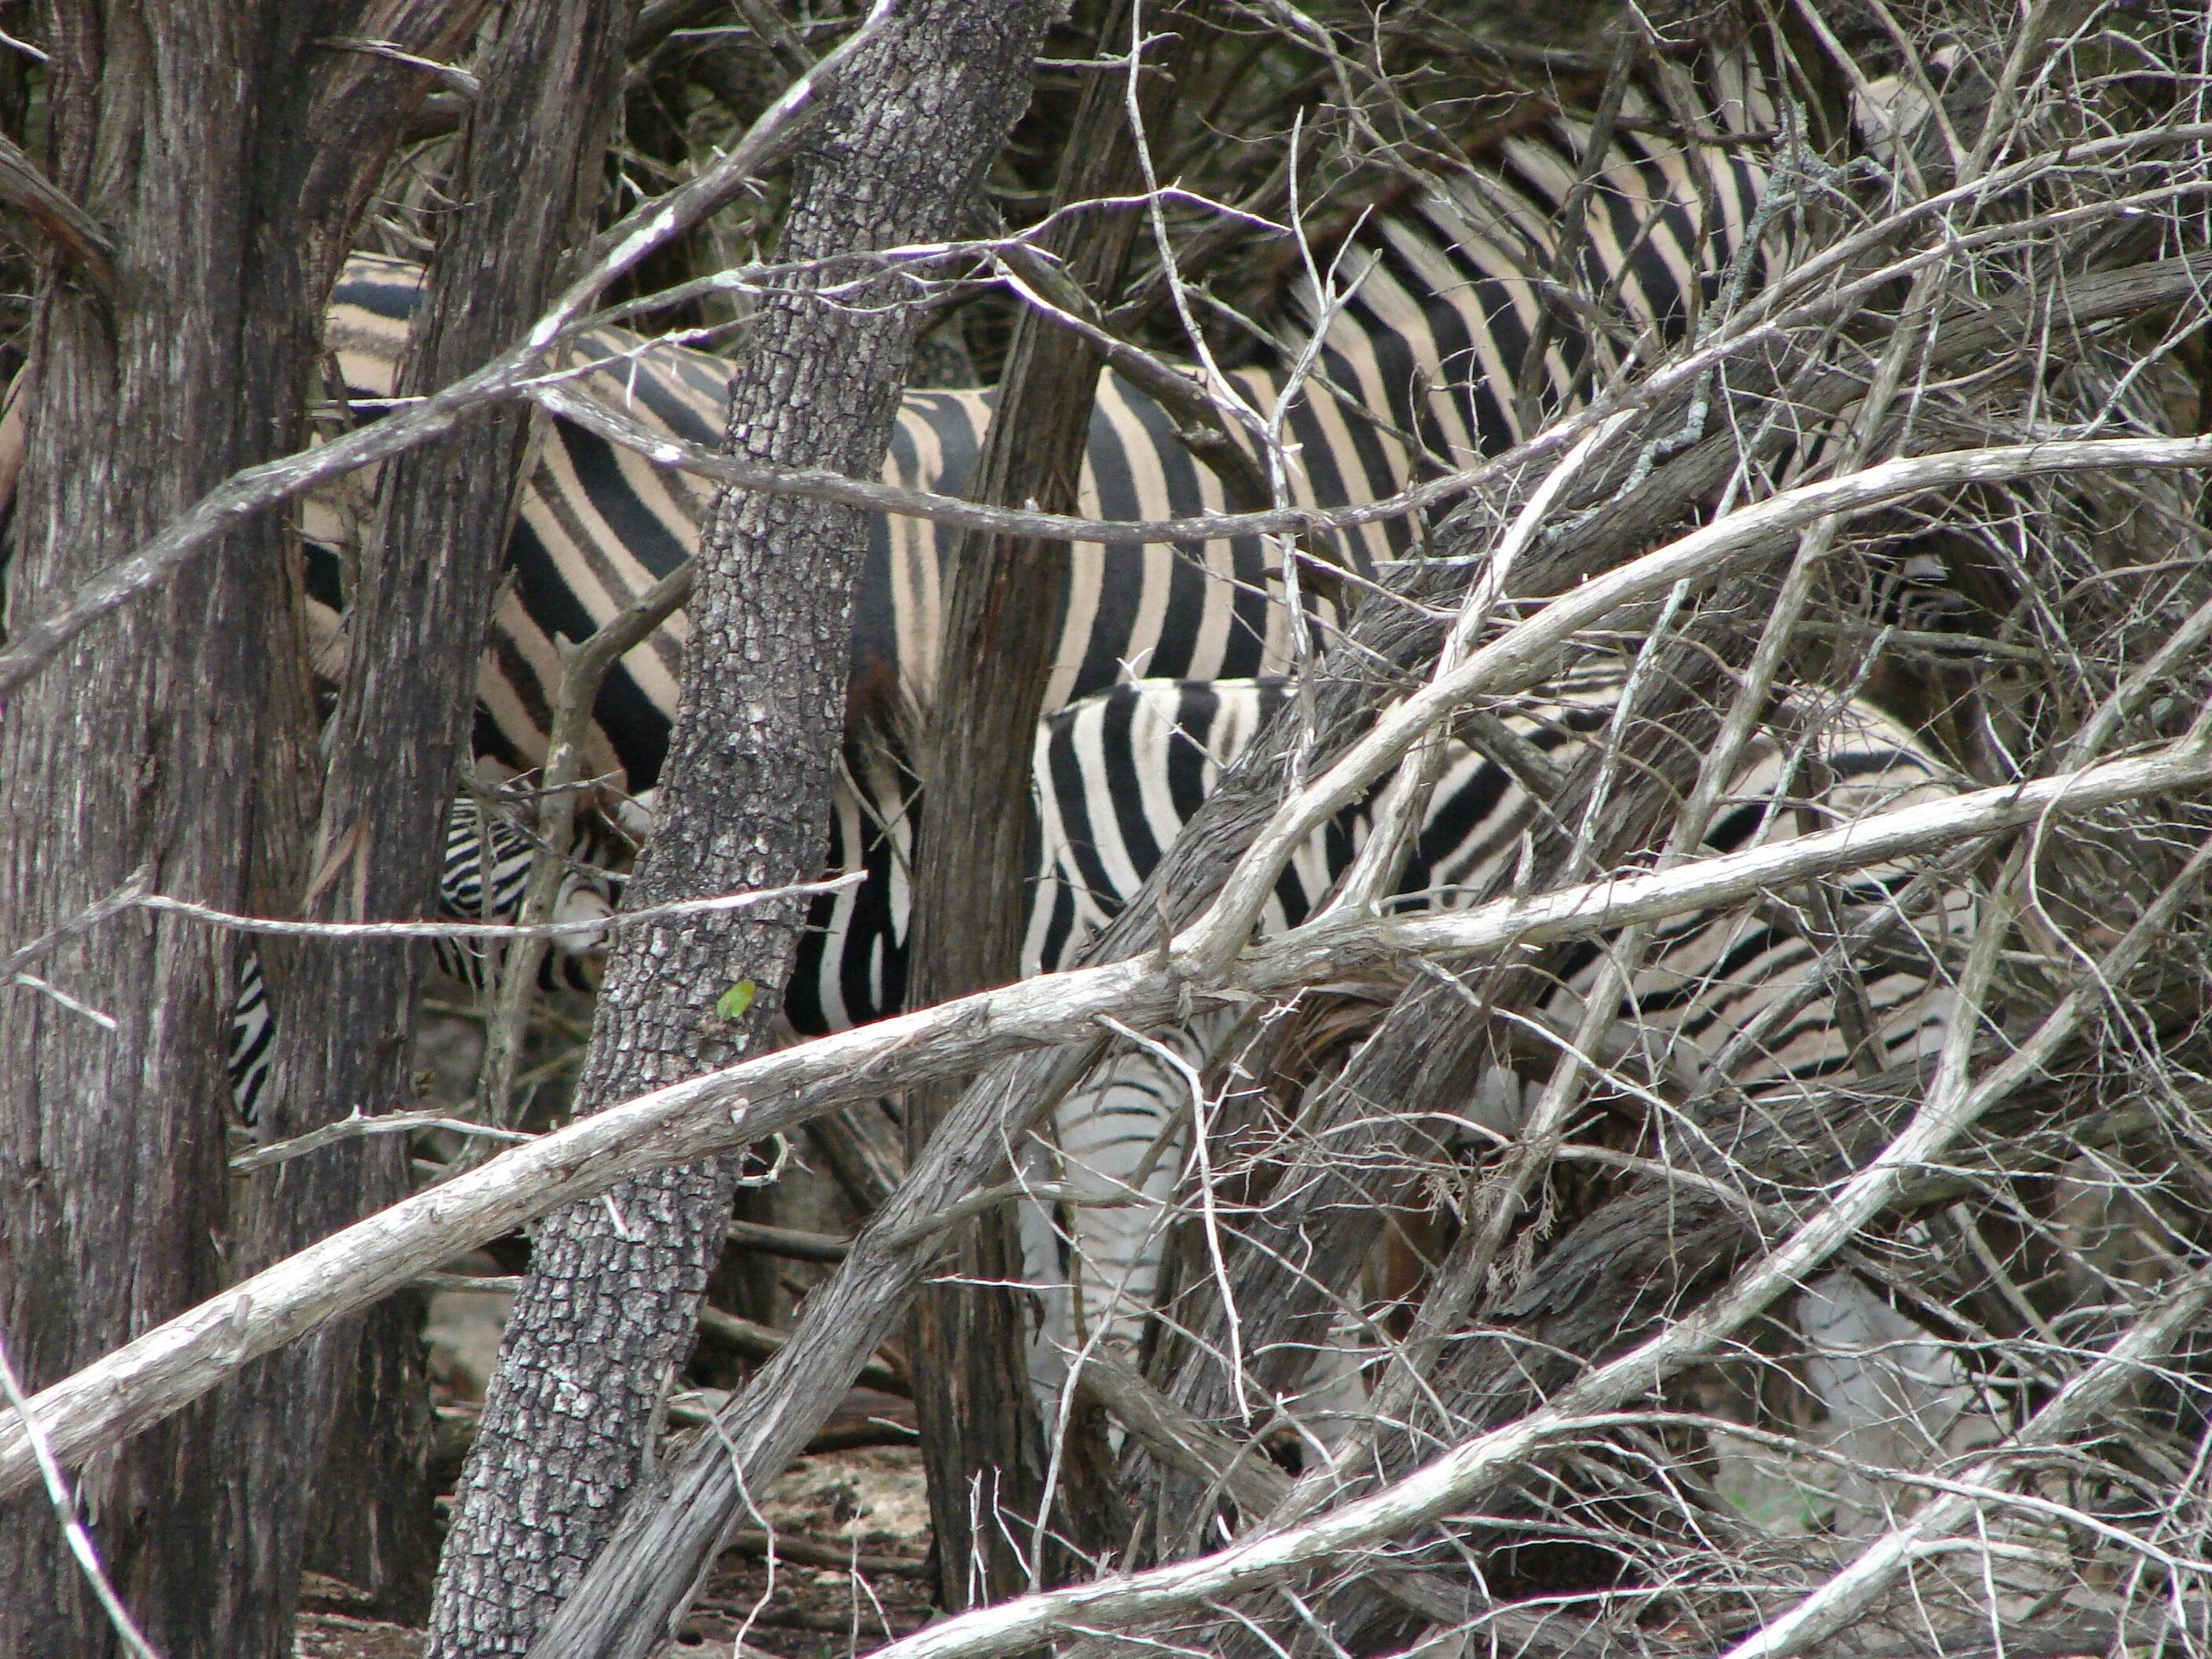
1894	1397
1093	1251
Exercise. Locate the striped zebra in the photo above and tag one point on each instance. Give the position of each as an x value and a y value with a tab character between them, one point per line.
1117	775
1416	375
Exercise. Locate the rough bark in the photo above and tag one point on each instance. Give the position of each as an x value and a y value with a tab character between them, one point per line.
1004	601
608	1311
525	181
227	152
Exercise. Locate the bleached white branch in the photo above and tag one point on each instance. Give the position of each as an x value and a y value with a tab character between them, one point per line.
1525	654
1460	1475
357	1125
64	1503
1837	1602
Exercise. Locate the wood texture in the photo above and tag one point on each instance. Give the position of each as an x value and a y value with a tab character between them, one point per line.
526	179
1003	605
226	154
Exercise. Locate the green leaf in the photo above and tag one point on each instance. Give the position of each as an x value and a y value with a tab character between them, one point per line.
736	999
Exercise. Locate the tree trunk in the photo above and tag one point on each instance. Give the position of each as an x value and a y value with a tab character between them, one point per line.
226	151
526	182
608	1311
1003	605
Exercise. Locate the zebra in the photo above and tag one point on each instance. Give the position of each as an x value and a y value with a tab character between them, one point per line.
1415	376
1116	776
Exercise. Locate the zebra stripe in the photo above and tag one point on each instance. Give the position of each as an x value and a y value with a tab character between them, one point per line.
1430	343
485	875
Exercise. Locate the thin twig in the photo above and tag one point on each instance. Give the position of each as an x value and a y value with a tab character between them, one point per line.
1836	1603
255	488
493	930
355	1126
176	1363
584	669
132	890
55	994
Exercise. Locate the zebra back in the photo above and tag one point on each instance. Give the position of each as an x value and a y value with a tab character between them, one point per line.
1117	775
1416	376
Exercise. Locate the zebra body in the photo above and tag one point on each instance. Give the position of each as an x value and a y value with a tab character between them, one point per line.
1118	775
1421	372
1415	377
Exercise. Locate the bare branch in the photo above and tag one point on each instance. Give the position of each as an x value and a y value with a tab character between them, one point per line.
492	930
721	1111
1462	1474
131	892
32	194
355	1127
618	250
2089	1394
80	1541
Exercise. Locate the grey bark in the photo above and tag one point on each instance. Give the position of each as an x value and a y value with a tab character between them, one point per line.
1004	602
228	154
636	1592
609	1309
525	181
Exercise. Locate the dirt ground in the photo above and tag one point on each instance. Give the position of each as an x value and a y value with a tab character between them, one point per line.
866	1508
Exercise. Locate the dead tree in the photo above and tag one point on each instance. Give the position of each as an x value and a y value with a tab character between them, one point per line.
609	1309
1005	608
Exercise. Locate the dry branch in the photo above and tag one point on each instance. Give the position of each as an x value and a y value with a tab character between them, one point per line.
1462	1475
479	930
1960	1498
32	194
721	1111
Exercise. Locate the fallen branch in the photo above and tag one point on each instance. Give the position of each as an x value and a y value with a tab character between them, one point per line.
1836	1603
808	1553
1462	1475
757	1342
788	1241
